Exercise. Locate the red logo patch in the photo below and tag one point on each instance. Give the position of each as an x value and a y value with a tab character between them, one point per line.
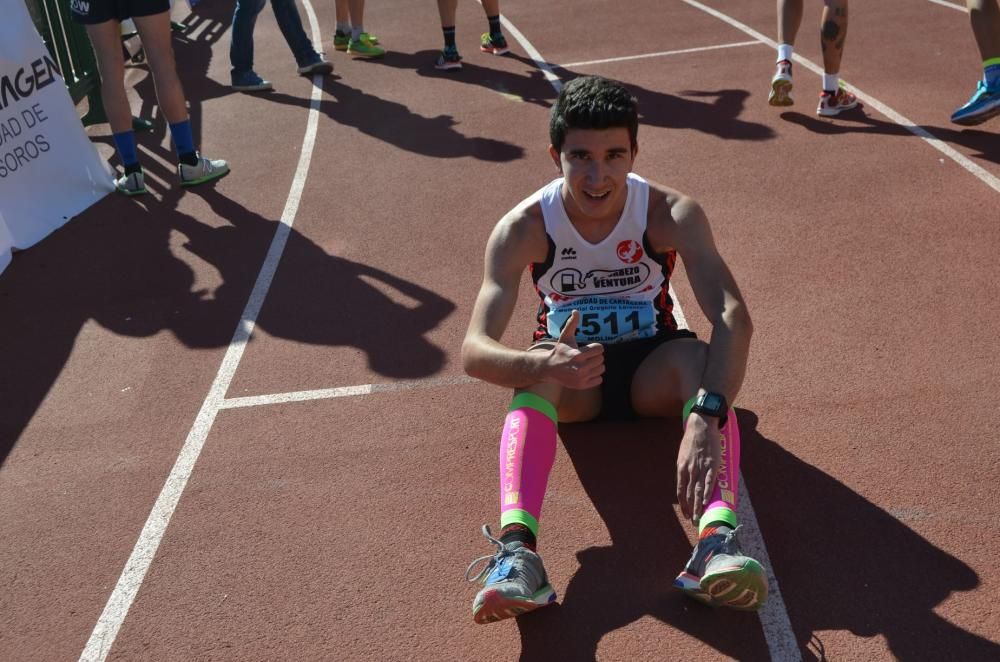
629	251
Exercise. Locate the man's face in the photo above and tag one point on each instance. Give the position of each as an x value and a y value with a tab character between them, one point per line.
595	163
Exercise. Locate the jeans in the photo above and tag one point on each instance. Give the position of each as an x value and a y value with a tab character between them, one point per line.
289	21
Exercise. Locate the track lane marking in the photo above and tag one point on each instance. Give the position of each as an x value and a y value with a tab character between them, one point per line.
950	5
343	392
777	627
643	56
966	163
105	632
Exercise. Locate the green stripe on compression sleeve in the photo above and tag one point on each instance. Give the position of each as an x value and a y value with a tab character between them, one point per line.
991	62
536	402
518	516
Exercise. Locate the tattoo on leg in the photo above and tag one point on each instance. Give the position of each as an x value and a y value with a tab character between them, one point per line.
830	31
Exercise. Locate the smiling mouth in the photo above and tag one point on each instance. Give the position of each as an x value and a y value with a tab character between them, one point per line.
597	196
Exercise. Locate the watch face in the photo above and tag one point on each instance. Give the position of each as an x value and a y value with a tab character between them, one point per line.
712	402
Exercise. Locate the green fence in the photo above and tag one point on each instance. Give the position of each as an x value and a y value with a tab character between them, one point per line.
68	43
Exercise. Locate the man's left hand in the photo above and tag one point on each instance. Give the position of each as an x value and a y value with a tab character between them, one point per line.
698	465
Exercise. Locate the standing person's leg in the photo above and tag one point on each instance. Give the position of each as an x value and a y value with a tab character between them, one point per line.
361	44
493	41
242	76
789	19
984	15
290	24
106	39
449	59
833	32
192	168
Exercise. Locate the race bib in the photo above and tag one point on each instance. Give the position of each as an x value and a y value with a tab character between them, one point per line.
605	319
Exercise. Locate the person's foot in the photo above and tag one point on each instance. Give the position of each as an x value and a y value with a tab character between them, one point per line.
984	104
315	64
781	85
249	81
514	582
719	575
131	184
493	43
449	59
204	171
341	40
834	103
363	46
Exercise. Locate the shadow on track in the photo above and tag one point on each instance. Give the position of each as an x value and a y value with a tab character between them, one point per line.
842	563
985	143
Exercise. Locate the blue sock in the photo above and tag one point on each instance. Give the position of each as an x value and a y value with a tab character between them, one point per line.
449	36
991	72
183	140
125	144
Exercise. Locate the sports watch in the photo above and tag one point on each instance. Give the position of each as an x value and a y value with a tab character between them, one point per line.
712	404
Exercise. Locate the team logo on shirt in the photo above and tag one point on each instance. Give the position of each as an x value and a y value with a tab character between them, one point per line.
573	282
629	251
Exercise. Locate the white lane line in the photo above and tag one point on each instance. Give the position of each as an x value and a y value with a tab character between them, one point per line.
774	621
951	5
106	630
343	392
980	173
682	51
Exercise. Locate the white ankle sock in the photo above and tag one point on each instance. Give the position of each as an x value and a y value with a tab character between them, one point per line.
356	32
785	52
831	82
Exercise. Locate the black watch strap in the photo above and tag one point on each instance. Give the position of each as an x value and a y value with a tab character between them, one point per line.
712	404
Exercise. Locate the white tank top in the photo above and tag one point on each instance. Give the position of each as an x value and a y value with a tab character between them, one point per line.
620	287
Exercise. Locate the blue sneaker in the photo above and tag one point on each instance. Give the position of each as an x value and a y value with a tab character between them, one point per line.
249	81
719	575
984	104
514	582
449	60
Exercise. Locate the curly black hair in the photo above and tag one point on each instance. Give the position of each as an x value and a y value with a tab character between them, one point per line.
593	102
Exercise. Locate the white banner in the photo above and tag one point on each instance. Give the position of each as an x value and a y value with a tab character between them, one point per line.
49	169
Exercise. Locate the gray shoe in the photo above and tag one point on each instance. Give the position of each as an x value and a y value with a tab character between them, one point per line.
249	81
204	171
514	582
718	574
133	184
315	64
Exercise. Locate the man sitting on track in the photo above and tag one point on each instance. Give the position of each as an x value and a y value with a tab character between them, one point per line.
601	243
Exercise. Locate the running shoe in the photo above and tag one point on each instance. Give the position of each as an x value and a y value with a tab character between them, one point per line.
363	46
781	85
341	40
514	582
984	104
834	103
718	574
315	64
493	43
132	184
449	59
249	81
204	171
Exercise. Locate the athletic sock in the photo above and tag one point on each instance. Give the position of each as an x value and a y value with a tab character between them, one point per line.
356	32
527	451
519	533
831	82
785	52
714	528
495	30
125	144
343	29
449	36
184	142
991	72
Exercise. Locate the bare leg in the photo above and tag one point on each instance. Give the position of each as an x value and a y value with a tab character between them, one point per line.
985	18
343	12
357	12
446	10
833	33
155	34
106	39
491	7
789	20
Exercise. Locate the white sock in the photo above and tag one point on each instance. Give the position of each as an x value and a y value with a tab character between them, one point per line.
831	82
356	32
785	52
343	28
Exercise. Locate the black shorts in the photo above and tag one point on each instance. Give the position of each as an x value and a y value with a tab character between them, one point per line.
98	11
620	363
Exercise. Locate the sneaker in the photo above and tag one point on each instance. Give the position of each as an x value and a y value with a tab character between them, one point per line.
781	85
718	574
363	46
133	184
341	40
205	171
249	81
514	582
984	104
315	64
833	103
496	44
449	59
